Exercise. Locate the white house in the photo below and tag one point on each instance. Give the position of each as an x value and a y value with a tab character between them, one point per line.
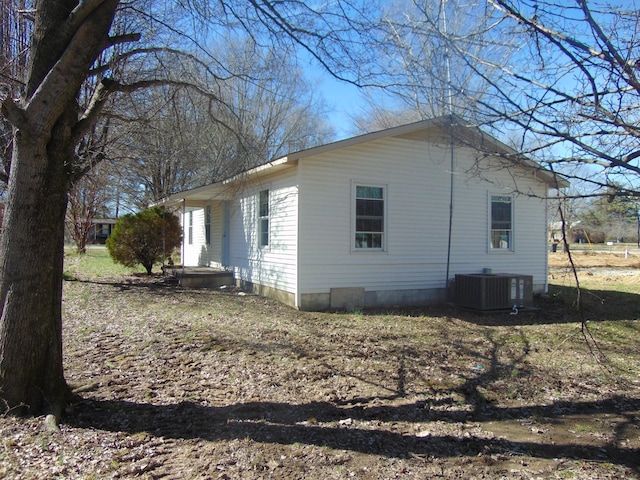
382	219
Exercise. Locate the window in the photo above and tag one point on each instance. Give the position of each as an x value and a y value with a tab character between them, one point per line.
369	221
263	218
501	222
190	232
207	225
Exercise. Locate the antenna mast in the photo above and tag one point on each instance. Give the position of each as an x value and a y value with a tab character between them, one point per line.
449	103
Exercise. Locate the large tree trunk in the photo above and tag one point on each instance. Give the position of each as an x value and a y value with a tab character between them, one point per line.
31	250
68	37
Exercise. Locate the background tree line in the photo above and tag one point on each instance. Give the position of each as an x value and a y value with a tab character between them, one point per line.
562	93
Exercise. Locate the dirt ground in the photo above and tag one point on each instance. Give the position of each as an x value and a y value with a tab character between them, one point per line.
196	384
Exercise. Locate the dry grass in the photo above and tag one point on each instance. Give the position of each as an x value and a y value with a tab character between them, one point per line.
181	383
588	258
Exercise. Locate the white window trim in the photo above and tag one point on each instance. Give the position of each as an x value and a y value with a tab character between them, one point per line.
385	232
491	249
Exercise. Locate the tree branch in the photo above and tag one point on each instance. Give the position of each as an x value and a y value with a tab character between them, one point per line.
156	50
63	80
93	110
14	114
120	39
115	86
78	16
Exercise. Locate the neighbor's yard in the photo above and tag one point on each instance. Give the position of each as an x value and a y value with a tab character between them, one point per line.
202	384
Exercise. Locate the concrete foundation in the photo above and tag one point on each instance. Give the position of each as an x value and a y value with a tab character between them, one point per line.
357	298
346	298
284	297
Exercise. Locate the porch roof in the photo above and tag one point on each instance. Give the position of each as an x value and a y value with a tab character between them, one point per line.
226	189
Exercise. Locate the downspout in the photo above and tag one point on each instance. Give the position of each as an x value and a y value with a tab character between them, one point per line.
298	299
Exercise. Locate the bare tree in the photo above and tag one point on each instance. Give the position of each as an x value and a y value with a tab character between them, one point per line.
15	31
159	151
422	75
559	81
180	139
73	42
616	217
571	93
272	107
86	203
67	39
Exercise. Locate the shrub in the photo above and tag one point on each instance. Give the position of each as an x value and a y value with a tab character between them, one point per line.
144	238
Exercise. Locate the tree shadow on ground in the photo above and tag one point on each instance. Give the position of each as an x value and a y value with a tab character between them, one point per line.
368	425
157	285
287	424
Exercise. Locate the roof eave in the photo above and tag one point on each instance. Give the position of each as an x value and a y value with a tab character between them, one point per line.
199	196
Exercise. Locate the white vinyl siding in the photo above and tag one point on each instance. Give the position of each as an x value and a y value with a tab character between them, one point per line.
312	221
275	266
214	250
205	229
417	218
194	233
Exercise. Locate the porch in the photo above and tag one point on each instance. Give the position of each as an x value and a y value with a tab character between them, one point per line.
200	277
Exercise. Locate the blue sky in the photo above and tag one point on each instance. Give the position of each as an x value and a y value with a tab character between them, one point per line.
343	101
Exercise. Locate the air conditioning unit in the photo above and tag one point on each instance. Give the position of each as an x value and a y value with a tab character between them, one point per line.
498	291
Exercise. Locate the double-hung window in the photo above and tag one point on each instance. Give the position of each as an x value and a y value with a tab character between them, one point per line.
263	218
369	218
190	230
501	235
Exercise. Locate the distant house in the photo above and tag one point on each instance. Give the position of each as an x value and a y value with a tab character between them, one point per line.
97	232
382	219
100	230
575	233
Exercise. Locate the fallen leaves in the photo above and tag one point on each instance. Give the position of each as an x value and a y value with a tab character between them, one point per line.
198	384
